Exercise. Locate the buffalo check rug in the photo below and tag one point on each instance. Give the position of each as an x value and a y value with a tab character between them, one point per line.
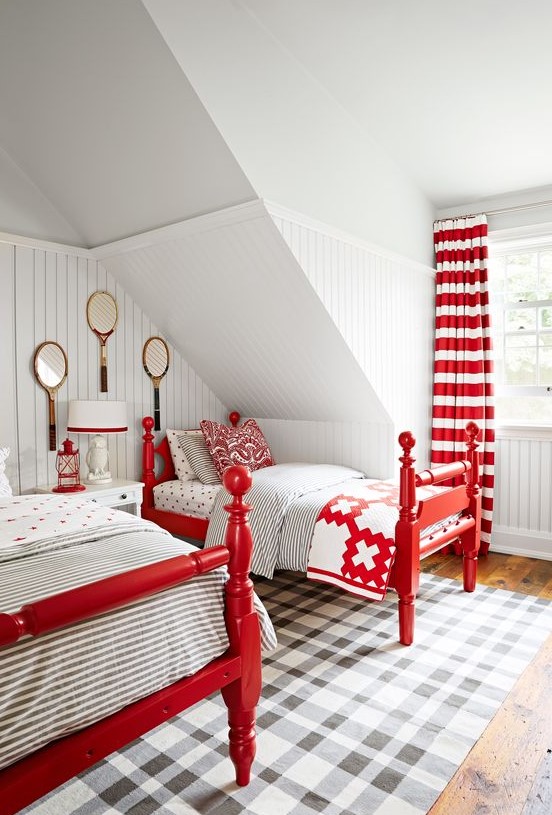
350	722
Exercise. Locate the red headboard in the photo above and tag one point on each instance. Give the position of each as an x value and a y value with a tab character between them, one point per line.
149	451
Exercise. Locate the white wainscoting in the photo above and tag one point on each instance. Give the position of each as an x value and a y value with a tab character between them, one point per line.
45	290
348	443
522	518
384	306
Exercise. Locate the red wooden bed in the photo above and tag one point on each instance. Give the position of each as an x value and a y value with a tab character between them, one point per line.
415	514
188	526
237	673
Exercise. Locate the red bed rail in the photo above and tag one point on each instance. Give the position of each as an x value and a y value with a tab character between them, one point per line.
73	606
237	673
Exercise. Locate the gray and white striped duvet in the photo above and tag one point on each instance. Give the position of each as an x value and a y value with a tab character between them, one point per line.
59	682
286	501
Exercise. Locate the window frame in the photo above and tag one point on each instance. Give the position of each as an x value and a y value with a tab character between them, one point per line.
511	242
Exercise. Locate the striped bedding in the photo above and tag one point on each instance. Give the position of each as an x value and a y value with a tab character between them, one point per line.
300	490
60	682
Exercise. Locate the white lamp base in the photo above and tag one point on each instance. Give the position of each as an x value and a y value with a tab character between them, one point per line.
97	460
98	479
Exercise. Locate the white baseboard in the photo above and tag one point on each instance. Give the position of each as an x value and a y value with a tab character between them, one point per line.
521	542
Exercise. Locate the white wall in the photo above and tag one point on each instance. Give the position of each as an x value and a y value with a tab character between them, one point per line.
523	506
295	143
384	306
45	290
233	298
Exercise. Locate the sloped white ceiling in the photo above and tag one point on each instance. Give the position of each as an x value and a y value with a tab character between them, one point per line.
296	143
103	133
231	296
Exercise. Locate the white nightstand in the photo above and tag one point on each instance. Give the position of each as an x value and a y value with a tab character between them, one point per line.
118	493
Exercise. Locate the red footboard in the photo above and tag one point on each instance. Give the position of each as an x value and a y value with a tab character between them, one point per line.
177	524
416	515
237	673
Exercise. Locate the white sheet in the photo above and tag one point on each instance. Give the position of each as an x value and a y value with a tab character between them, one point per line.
186	497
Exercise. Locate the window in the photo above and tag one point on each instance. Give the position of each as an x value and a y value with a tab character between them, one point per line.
520	284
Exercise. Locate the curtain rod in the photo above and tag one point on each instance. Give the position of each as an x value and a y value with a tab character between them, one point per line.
498	211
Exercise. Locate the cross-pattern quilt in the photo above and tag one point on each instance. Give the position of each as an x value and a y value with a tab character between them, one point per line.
353	542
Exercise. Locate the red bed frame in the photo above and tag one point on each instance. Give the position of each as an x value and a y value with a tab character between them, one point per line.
177	524
237	673
414	515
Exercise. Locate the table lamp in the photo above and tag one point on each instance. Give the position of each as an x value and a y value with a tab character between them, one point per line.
97	417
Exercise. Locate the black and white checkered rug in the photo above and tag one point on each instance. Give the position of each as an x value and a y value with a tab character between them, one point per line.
350	723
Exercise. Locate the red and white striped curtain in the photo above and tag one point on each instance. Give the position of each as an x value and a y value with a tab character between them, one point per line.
463	386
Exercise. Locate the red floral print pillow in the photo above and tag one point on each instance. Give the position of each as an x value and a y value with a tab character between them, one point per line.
236	445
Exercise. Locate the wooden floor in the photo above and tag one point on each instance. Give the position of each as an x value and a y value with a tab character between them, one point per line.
509	770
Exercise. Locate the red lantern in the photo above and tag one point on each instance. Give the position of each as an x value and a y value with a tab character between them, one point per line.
67	465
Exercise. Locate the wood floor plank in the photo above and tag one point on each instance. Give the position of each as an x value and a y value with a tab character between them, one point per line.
508	772
539	801
546	591
498	774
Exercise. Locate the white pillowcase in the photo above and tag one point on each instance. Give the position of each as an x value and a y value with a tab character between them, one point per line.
5	489
182	467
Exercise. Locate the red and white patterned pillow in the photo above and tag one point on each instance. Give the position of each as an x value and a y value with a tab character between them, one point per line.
236	445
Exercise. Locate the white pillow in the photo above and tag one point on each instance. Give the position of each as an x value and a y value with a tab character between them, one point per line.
5	489
182	467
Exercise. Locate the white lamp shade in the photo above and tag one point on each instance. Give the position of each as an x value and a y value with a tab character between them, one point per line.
97	417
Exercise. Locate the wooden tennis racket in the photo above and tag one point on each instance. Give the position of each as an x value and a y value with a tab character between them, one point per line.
155	358
50	368
102	316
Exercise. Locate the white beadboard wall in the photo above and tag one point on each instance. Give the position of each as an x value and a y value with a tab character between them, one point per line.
362	446
237	304
522	518
383	305
46	288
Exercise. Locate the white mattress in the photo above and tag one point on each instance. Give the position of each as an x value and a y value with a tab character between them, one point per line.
186	497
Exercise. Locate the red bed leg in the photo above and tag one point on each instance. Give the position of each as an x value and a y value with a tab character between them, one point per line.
242	622
406	619
471	540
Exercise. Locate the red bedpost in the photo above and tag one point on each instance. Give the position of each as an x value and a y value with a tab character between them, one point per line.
148	462
242	623
471	540
407	539
234	418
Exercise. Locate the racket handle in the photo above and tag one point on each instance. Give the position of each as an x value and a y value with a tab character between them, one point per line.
103	378
53	444
156	409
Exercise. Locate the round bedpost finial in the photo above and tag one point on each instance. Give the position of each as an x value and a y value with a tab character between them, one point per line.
237	480
148	423
234	418
472	431
407	441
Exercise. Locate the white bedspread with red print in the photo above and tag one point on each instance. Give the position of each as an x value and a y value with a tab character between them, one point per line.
30	524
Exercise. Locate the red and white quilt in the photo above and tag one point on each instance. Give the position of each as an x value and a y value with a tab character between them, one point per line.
353	544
